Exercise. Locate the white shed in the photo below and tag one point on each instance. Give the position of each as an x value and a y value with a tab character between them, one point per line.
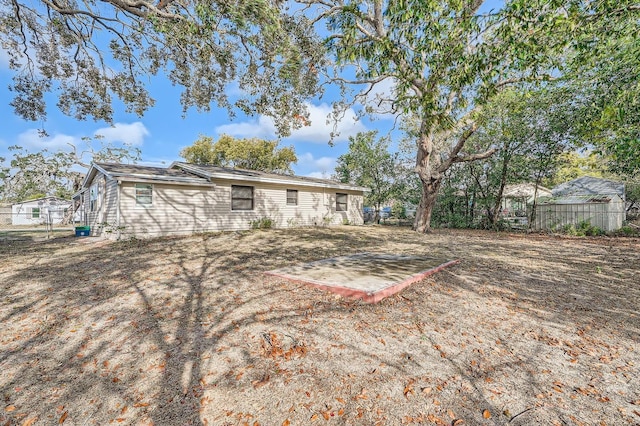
39	211
600	202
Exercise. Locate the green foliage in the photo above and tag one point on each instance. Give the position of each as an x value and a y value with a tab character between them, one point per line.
447	61
37	174
583	229
368	163
628	231
398	210
262	223
90	53
251	154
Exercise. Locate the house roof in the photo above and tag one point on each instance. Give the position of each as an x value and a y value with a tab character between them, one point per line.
138	173
50	198
589	185
525	190
209	172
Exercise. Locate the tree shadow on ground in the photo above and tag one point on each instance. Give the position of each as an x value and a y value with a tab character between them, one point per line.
168	331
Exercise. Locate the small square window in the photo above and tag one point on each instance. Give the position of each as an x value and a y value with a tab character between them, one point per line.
35	212
292	197
341	202
144	194
241	197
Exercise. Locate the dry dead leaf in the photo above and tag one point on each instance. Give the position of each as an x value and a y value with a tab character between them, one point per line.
326	415
145	404
63	417
408	389
314	417
286	423
457	422
30	421
486	414
10	408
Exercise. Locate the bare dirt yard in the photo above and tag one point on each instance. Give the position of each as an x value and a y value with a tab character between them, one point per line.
524	330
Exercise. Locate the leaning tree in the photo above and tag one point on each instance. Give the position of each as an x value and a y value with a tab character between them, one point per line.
446	59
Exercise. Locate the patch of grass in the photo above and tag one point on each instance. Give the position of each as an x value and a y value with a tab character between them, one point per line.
262	223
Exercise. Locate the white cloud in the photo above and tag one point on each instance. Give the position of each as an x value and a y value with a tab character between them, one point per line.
132	134
262	128
4	59
32	141
318	130
322	167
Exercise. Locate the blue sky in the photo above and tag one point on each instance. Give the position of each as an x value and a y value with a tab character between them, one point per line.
162	132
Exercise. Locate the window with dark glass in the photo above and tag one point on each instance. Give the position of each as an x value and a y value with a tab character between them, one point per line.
341	202
292	197
241	197
35	212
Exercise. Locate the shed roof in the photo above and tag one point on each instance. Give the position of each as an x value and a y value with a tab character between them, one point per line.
589	185
581	199
210	172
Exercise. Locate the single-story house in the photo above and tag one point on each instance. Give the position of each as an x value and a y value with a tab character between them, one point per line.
39	211
517	202
601	202
516	197
121	200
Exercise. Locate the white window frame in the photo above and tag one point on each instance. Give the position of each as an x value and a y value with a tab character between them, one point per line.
253	198
33	209
140	189
293	191
346	202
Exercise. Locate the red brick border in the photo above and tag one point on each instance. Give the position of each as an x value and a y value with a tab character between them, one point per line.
368	297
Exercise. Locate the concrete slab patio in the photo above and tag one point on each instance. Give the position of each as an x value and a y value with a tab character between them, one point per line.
367	276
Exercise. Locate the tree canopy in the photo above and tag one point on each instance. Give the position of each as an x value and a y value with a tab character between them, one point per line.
252	154
90	53
54	173
448	59
369	163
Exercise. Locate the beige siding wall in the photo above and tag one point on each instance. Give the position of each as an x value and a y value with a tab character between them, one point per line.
179	209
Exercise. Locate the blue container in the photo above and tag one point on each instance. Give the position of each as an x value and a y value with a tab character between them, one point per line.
83	231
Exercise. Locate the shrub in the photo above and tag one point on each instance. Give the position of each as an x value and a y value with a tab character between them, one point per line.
262	223
398	211
583	229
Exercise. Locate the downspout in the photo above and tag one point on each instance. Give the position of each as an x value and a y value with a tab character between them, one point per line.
118	187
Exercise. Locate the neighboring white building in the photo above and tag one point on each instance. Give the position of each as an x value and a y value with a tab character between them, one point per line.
120	200
39	211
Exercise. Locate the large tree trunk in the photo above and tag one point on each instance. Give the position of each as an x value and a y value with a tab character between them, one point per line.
422	222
